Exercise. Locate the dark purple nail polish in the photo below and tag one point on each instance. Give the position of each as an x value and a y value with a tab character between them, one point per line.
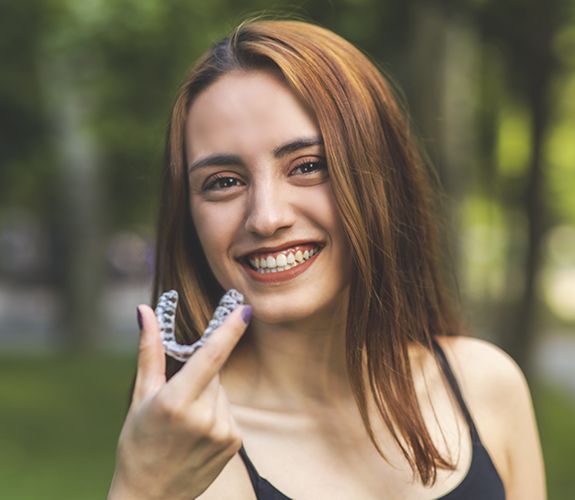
139	316
247	314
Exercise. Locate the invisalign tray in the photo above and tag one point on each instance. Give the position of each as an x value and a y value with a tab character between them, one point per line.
166	314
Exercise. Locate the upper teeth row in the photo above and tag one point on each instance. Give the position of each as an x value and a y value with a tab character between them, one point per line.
288	260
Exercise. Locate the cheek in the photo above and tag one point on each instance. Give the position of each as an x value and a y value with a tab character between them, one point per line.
322	209
341	247
215	226
331	219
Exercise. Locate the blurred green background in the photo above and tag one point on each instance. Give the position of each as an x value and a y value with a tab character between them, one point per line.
85	92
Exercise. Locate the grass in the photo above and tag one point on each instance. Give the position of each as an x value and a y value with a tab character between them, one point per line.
555	411
60	418
59	421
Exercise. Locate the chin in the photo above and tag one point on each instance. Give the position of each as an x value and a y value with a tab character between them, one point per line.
270	316
273	310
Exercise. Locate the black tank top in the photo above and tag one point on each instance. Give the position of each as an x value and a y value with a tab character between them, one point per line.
482	482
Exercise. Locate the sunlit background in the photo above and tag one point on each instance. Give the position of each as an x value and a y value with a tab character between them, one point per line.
85	91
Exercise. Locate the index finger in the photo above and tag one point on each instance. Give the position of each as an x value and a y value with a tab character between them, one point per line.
205	364
150	375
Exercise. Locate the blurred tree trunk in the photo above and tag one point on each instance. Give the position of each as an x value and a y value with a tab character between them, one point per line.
521	337
531	67
76	221
443	58
443	89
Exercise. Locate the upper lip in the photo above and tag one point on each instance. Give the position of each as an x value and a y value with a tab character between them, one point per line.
279	248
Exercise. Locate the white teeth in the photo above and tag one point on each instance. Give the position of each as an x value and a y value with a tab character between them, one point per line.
282	261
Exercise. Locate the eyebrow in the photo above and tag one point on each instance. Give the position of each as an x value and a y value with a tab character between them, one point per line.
278	152
296	145
217	159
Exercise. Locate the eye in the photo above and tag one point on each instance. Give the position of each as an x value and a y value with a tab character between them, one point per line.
220	182
309	166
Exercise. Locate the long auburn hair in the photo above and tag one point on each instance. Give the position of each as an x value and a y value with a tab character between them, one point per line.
383	195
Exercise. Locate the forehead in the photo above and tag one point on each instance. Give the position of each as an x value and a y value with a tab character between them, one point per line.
246	112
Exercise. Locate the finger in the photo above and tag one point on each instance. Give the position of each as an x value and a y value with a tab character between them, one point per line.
205	364
151	374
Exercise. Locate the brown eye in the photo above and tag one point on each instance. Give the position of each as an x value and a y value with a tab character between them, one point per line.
309	167
222	182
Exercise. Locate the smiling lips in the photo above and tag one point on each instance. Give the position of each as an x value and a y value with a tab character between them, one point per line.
281	265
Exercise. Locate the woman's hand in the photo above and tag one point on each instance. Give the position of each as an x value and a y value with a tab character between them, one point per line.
178	435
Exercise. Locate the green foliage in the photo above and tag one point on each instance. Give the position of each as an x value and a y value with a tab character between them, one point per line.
555	410
24	137
513	141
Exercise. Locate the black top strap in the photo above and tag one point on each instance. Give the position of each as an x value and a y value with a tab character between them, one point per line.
448	372
263	489
254	476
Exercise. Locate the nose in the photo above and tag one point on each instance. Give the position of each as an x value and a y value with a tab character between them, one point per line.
269	209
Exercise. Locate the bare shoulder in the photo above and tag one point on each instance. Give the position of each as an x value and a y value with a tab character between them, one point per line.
493	387
483	367
498	397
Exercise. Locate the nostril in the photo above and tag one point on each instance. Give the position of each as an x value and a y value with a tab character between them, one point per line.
266	227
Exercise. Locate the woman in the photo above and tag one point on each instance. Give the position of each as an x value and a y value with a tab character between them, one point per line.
291	175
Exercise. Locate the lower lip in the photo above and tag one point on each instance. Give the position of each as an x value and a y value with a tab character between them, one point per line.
279	276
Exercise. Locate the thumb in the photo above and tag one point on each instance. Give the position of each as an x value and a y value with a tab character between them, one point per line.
151	372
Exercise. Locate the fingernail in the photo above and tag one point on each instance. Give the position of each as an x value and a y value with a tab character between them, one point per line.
139	316
247	314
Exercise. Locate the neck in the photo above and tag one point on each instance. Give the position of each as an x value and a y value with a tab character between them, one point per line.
291	366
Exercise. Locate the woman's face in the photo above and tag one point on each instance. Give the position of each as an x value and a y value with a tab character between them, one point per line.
261	199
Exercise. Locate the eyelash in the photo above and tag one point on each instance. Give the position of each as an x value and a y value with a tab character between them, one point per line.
319	163
213	183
